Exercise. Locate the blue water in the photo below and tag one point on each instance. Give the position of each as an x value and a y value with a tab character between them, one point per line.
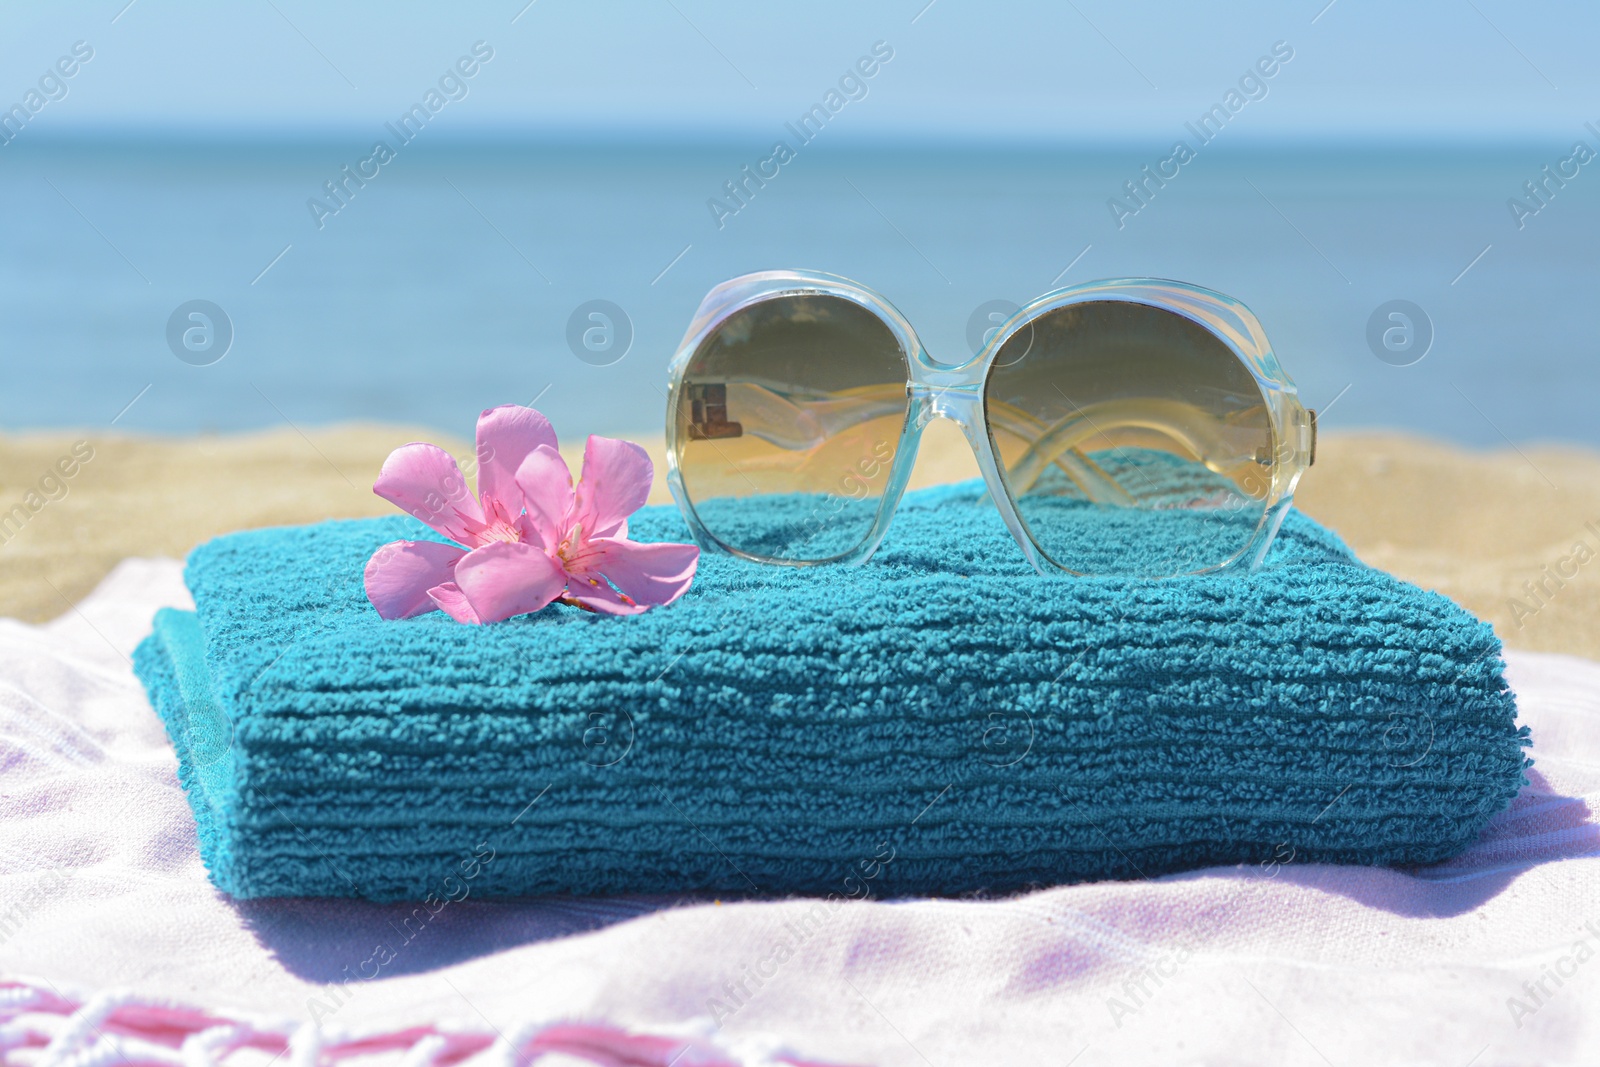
446	284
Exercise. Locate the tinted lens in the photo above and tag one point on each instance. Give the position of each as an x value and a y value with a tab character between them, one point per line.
788	418
1135	442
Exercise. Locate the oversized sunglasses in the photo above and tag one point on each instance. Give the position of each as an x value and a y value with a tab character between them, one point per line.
1131	427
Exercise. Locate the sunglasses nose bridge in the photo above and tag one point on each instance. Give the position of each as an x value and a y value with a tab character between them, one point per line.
960	403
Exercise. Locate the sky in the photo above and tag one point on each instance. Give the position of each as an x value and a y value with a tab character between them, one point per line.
1054	72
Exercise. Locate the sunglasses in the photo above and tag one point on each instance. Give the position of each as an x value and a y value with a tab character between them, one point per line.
1134	427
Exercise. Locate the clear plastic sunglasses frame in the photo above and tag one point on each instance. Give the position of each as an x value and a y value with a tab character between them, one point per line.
956	392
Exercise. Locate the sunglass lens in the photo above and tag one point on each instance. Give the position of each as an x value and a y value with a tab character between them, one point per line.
1134	441
788	417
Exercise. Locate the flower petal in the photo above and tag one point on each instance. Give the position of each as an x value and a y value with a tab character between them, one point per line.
615	483
449	599
424	481
505	579
399	575
506	435
647	573
546	485
596	594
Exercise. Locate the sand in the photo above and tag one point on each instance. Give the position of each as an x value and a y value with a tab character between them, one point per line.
1497	531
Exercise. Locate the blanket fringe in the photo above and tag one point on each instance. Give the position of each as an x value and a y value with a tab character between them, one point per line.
43	1024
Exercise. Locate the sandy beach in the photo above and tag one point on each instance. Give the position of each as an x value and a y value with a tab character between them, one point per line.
1514	536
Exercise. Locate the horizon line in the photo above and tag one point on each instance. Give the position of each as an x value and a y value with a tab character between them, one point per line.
627	136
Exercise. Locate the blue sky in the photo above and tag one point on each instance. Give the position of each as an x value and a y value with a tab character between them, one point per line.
1059	71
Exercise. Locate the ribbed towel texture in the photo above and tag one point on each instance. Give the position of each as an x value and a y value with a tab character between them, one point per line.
940	720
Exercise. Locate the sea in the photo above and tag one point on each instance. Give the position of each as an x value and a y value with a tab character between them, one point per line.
185	284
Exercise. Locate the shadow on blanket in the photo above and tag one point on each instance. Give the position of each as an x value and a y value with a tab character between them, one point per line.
336	940
1541	826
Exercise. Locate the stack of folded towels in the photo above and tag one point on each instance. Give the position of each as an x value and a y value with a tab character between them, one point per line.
941	720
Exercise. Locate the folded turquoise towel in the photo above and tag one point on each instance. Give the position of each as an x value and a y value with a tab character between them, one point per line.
941	720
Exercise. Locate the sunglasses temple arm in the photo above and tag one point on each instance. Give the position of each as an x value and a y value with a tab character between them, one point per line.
1055	445
1095	483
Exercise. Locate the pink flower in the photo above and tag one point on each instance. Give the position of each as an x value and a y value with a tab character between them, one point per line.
530	536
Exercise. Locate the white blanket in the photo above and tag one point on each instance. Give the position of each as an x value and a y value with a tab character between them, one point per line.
1488	959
